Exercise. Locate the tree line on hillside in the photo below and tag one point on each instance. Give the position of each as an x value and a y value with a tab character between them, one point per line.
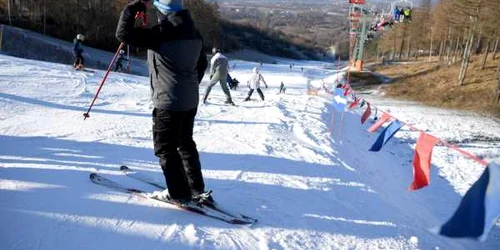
450	29
97	20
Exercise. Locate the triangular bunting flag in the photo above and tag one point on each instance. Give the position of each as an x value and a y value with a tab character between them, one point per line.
379	123
366	114
386	135
339	102
355	103
422	161
347	91
478	209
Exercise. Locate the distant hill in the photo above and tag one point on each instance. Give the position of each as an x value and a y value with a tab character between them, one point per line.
239	36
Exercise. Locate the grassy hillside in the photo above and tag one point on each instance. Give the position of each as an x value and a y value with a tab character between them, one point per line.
436	85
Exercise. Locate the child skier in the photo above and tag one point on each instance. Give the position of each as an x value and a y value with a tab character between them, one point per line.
254	83
282	88
79	63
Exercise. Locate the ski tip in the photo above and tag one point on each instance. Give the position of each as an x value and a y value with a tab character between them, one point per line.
93	176
241	222
253	220
124	168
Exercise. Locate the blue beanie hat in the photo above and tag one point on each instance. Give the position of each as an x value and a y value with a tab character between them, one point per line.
165	6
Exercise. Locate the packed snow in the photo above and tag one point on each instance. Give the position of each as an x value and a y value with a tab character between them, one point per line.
312	183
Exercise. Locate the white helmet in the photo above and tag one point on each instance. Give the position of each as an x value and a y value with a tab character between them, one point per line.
255	70
80	37
122	52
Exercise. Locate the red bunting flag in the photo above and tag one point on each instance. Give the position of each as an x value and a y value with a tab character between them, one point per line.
422	161
367	113
385	117
347	91
355	103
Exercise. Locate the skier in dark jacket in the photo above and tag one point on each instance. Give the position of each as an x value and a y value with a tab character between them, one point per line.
282	88
176	64
232	82
79	62
229	80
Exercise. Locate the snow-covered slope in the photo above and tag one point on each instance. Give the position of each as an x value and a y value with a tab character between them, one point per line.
275	160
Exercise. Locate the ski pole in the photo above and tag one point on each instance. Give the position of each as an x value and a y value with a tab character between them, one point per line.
86	115
128	57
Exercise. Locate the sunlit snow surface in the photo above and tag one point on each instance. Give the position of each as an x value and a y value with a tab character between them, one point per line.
311	185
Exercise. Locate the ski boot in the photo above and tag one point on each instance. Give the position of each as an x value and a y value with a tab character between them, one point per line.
165	196
204	198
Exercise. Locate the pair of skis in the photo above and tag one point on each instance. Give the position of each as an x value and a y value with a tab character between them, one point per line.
210	210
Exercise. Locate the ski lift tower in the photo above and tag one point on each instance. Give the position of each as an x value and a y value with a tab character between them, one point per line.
357	33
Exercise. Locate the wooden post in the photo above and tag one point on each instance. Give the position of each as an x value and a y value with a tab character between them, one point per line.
441	44
44	17
448	44
408	48
402	42
465	58
495	49
485	54
430	49
456	50
8	9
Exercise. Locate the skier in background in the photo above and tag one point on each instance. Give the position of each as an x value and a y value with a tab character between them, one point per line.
219	67
229	80
254	84
119	61
282	88
396	14
232	82
79	62
407	14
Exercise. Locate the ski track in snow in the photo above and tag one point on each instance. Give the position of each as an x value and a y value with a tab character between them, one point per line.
274	160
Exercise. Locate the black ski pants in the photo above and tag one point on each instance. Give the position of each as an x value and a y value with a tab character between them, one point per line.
179	158
78	60
250	92
118	67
